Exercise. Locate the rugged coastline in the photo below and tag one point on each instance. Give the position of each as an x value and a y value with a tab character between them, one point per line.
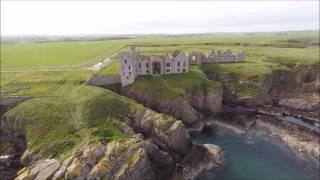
281	93
158	141
156	146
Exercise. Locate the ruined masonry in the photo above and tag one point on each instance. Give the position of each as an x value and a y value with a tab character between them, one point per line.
134	63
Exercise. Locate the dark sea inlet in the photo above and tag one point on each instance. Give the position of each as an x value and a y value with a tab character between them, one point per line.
256	156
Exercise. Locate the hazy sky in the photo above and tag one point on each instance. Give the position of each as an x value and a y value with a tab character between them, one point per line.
131	17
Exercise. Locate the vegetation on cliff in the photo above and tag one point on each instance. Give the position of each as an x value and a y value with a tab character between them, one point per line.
173	85
55	125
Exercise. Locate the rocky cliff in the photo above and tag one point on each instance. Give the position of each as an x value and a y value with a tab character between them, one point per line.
145	145
186	97
261	103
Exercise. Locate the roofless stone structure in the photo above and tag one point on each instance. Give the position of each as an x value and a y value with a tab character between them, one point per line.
134	63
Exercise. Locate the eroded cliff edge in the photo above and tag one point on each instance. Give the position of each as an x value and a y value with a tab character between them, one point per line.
185	96
264	102
104	135
241	101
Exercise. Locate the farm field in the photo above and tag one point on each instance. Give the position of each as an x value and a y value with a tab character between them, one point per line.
31	69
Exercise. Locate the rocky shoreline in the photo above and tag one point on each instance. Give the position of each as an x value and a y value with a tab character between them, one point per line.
161	147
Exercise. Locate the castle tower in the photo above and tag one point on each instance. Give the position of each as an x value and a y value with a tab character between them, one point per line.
128	69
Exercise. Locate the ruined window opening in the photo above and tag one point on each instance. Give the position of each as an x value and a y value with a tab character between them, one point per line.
129	67
125	61
167	64
127	77
147	65
129	73
139	65
168	70
148	71
179	63
184	70
178	70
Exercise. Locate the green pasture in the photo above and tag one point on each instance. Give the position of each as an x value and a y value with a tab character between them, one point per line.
44	68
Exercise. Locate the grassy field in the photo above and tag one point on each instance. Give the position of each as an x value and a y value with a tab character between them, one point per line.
67	113
47	83
265	52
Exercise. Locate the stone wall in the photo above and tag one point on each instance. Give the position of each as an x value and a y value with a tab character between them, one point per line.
104	80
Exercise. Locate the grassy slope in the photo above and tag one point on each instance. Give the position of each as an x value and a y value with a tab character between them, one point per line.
112	69
173	85
40	83
56	125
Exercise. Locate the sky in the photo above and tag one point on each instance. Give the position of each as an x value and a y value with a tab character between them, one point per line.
145	17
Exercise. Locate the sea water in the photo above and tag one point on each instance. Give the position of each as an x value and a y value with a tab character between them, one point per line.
256	156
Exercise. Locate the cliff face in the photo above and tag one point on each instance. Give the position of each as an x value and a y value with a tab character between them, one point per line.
262	103
189	108
294	88
146	145
160	149
12	139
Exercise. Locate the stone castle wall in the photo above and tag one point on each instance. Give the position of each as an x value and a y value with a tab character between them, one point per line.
134	64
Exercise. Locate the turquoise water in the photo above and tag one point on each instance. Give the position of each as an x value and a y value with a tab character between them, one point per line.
255	156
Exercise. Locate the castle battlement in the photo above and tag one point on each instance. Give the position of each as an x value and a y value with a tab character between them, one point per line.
134	63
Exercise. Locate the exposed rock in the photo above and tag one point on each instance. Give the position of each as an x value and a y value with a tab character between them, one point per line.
162	130
42	170
187	108
77	170
63	168
200	158
48	171
216	153
178	107
125	161
296	137
300	82
299	104
208	102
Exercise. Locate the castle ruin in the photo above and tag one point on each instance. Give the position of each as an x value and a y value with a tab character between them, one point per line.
134	63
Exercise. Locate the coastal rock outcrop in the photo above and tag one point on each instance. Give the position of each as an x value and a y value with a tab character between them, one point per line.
188	108
298	138
160	148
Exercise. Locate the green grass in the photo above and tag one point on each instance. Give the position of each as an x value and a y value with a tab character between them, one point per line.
77	54
56	125
40	83
173	85
253	69
55	54
112	69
